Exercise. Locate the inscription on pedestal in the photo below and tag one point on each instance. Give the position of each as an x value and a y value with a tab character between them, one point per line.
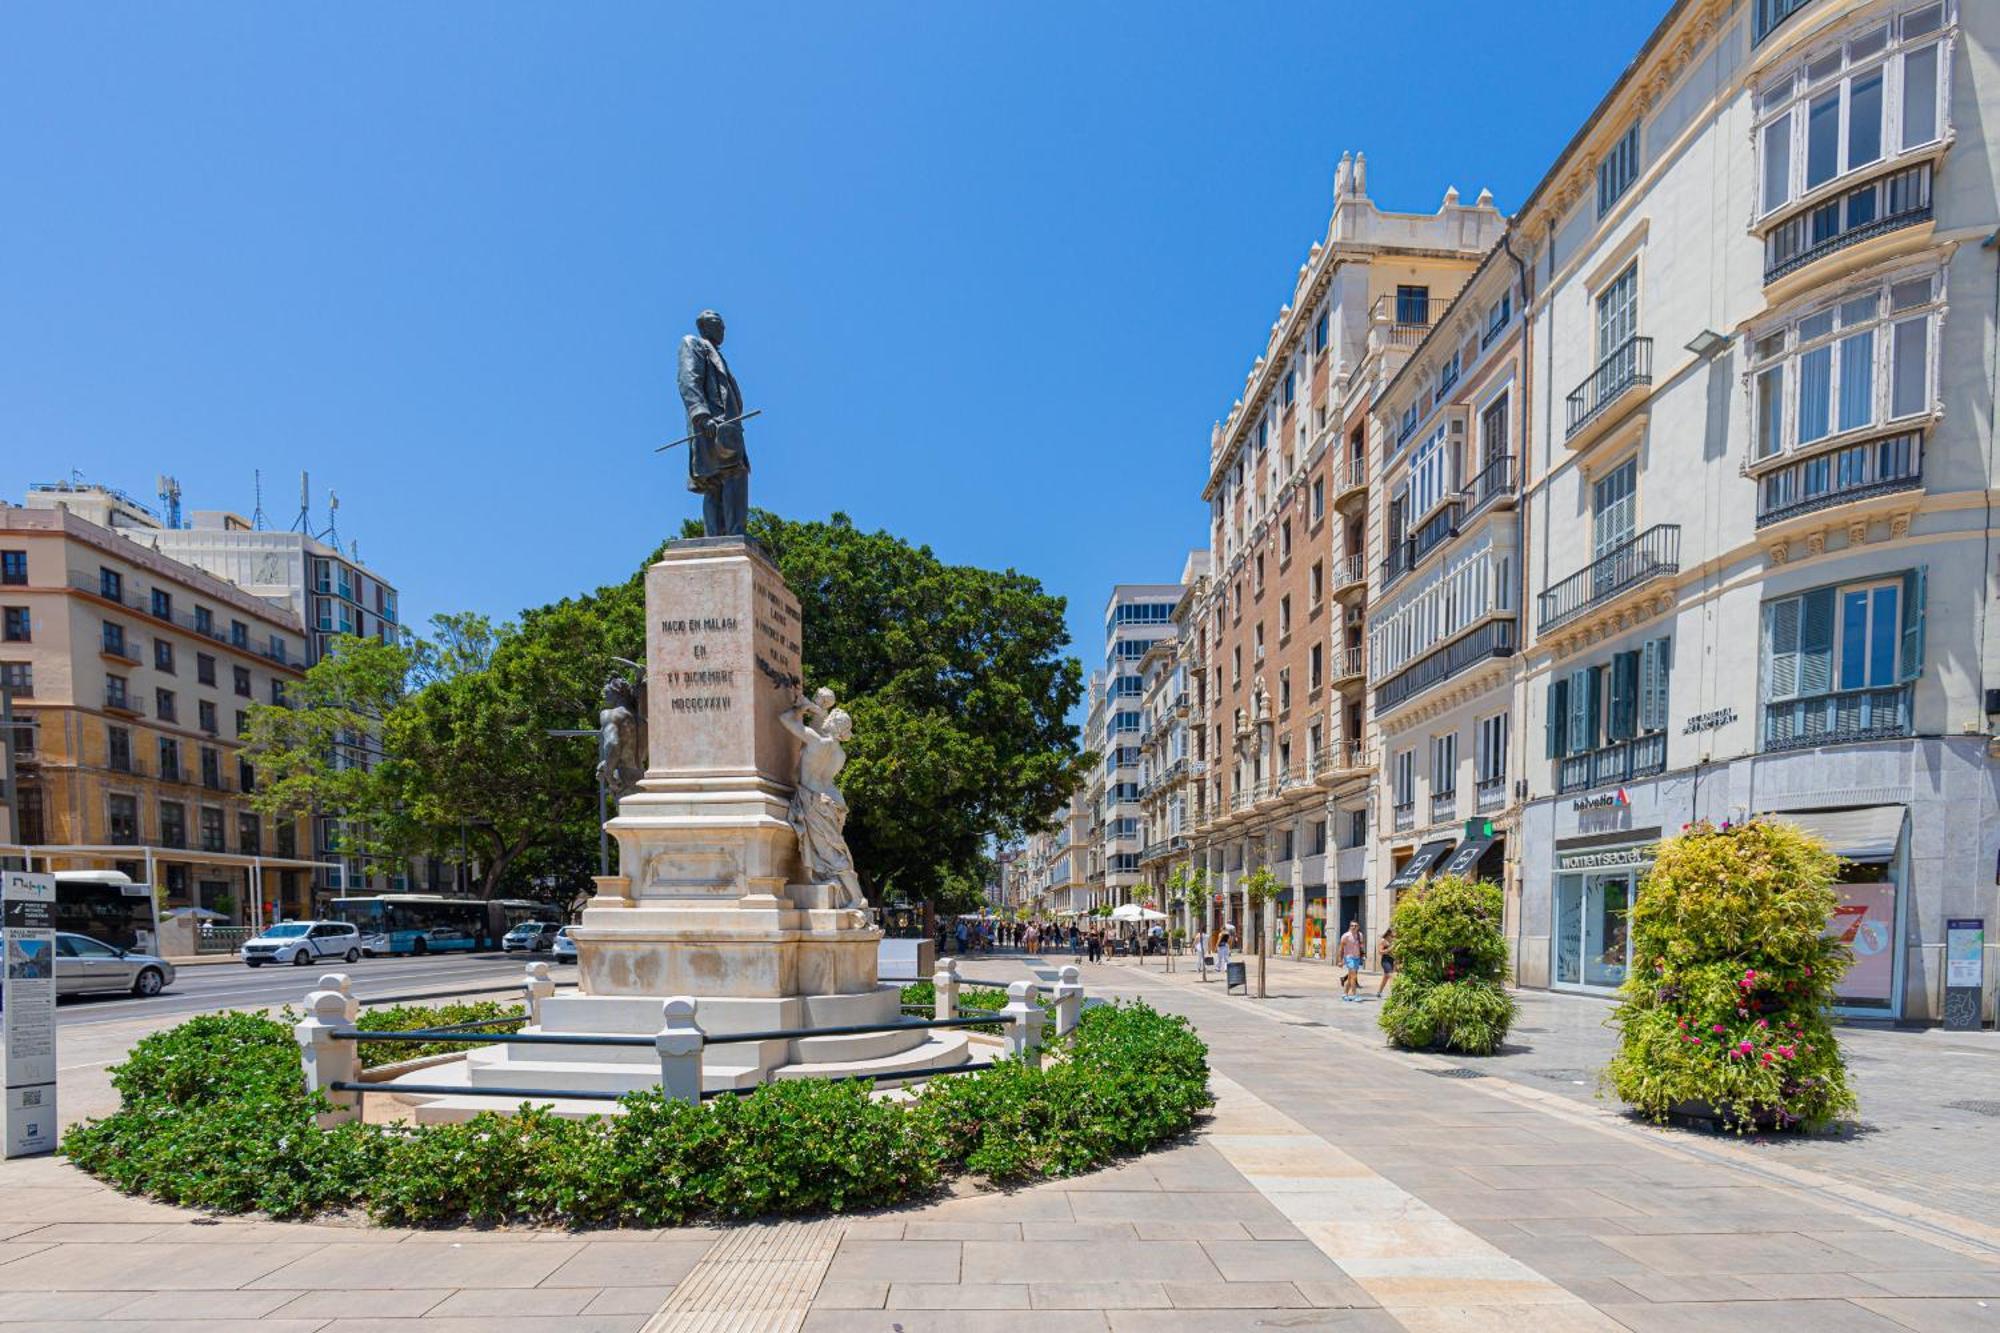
723	649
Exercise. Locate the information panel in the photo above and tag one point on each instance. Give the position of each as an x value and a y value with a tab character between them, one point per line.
28	938
1964	972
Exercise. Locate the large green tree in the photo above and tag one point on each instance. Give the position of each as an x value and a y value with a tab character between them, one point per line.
955	677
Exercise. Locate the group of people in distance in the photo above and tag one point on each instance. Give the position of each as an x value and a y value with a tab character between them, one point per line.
1091	940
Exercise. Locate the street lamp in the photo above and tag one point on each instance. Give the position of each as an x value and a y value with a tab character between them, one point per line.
603	838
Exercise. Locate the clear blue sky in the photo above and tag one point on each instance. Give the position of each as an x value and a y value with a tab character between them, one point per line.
990	269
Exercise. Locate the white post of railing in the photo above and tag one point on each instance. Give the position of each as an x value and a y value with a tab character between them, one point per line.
339	981
538	988
1069	1001
679	1043
1024	1020
945	982
326	1059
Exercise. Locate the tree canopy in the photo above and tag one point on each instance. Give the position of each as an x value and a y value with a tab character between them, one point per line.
955	677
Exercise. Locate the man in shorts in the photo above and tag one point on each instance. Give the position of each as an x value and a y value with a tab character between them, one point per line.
1351	947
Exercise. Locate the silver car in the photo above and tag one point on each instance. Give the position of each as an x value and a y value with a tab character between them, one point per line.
564	949
84	964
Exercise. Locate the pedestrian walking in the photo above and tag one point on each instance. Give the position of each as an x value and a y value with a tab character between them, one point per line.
1094	947
1222	955
1351	948
1386	952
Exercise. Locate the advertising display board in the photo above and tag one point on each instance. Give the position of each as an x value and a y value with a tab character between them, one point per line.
1964	972
28	1006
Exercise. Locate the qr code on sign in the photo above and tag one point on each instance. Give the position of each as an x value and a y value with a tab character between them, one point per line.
31	1097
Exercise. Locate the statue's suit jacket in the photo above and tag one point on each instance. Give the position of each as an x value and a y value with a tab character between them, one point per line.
709	390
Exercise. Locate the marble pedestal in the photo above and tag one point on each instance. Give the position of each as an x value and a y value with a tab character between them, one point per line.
709	903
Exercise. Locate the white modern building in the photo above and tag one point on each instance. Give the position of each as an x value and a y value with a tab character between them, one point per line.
1138	618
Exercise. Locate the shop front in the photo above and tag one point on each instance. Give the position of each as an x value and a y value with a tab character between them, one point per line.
1281	924
1315	921
1874	866
1595	888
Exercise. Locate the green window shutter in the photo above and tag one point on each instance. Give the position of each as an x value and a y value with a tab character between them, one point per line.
1585	702
1816	623
1557	722
1913	622
1625	697
1596	709
1649	679
1781	648
1662	650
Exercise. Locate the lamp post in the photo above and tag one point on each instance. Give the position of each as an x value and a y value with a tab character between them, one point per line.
603	838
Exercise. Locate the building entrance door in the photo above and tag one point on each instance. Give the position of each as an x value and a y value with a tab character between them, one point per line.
1593	944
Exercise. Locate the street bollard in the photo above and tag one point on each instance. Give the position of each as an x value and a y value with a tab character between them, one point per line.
340	981
1069	1001
1024	1024
539	988
679	1043
945	982
327	1059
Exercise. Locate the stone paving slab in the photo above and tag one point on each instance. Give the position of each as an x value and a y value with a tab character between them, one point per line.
1336	1186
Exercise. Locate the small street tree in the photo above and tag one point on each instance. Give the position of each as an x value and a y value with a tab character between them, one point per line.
1260	886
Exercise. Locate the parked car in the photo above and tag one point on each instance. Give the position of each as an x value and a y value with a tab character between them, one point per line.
533	936
303	942
565	947
84	964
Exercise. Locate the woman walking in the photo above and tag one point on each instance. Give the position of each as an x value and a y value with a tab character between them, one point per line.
1386	952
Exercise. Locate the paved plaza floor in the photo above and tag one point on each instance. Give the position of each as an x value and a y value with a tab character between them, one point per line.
1338	1185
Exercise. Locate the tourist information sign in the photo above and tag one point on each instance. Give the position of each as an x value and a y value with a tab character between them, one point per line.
1964	972
28	941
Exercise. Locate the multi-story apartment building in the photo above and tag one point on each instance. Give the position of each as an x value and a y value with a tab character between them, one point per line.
328	590
1278	636
134	674
1052	867
1757	521
1138	622
1165	803
1444	617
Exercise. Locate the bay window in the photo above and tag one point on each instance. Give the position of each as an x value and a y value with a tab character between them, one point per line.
1852	364
1430	474
1841	110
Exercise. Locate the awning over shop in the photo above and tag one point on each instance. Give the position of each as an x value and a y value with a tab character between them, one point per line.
1867	835
1420	863
1465	859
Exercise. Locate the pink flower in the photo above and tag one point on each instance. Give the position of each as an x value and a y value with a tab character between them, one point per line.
1716	1028
1788	1052
1766	1058
1763	1022
1744	1047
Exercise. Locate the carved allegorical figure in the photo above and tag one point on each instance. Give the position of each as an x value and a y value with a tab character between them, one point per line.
621	737
818	810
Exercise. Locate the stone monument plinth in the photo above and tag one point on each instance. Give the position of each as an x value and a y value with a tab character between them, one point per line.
710	901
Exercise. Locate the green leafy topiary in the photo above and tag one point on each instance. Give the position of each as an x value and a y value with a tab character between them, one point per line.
215	1115
1727	1009
1451	958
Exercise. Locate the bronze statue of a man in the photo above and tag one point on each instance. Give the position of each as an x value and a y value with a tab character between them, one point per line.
718	464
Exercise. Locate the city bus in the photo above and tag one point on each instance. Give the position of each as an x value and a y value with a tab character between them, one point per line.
421	923
108	907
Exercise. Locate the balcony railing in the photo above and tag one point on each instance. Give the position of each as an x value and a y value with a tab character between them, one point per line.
1351	477
1652	553
1900	199
1347	664
1432	533
1630	364
1621	762
1491	795
1402	322
116	701
1444	805
1495	481
1495	638
1838	719
1840	476
1406	816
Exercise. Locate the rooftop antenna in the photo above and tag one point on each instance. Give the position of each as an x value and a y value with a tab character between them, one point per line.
169	491
303	523
257	515
332	519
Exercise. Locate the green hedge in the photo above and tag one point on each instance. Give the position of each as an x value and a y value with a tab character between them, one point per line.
214	1115
1727	1009
406	1017
1451	962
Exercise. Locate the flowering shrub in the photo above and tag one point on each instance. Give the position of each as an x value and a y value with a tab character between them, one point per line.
1726	1010
1451	956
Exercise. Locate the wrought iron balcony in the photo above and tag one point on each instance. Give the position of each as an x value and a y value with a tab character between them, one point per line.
1619	762
1491	795
1406	816
1841	476
1888	203
1444	805
1432	533
1629	365
1838	719
1494	638
1652	553
1495	482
